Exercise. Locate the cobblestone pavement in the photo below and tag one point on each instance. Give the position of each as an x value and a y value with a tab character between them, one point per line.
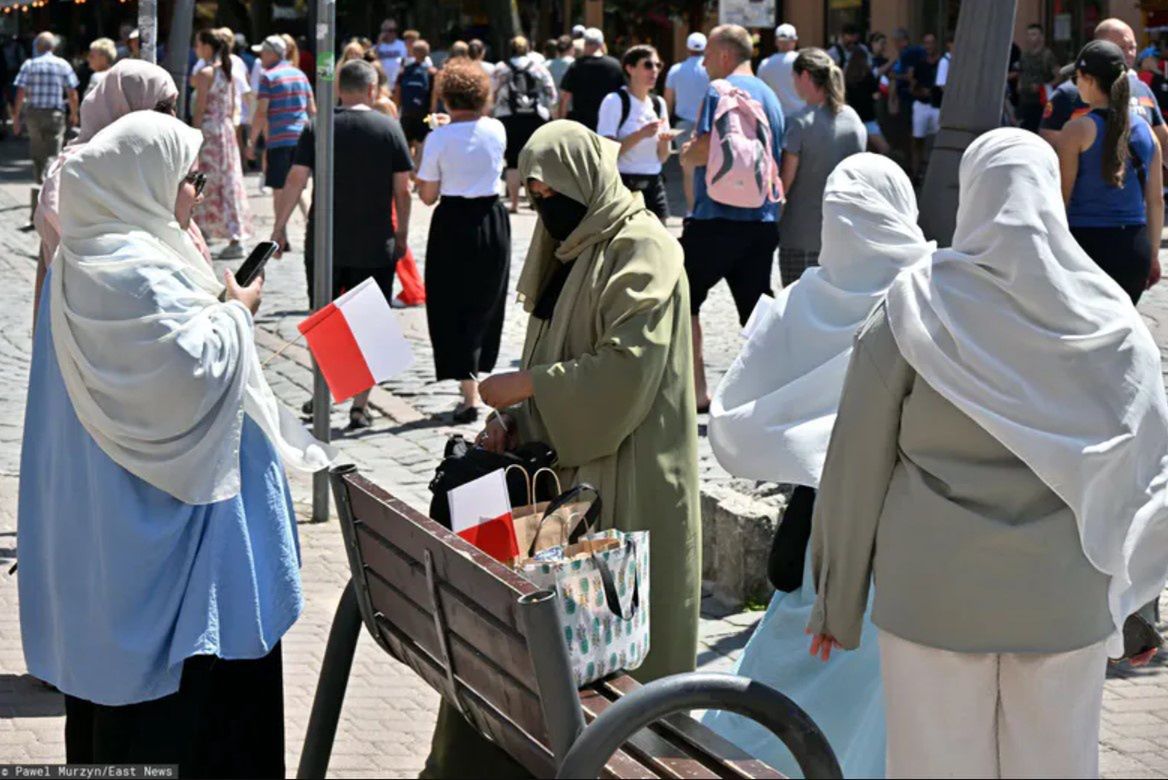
388	715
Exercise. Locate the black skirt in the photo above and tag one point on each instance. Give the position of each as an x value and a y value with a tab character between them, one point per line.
468	266
225	720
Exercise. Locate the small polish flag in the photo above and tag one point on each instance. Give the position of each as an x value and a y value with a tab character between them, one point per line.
356	341
480	512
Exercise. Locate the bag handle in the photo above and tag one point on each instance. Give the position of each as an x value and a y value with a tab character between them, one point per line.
526	478
535	481
611	597
564	499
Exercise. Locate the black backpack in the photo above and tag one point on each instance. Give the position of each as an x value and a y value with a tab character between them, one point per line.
627	106
463	462
523	91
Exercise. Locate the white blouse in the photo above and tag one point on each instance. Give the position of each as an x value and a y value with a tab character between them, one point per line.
466	158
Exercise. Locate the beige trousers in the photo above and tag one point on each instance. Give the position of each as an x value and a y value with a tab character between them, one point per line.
990	715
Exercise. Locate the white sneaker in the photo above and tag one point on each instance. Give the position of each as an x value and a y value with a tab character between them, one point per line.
231	252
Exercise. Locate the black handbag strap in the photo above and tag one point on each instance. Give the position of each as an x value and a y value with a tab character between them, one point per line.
611	597
565	498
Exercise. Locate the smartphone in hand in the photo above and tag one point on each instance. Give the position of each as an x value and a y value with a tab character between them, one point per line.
253	266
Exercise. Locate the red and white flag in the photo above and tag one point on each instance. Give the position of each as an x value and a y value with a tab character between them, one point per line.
356	341
480	512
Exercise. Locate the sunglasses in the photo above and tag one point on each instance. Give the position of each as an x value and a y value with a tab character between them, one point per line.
199	179
652	65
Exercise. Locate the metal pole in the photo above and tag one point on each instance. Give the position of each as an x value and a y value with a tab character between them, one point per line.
553	672
322	178
974	95
178	47
148	30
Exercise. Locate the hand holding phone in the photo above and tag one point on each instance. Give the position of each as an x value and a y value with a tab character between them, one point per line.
253	266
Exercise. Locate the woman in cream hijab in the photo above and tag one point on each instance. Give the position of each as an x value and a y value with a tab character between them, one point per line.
771	419
999	464
130	85
607	381
158	550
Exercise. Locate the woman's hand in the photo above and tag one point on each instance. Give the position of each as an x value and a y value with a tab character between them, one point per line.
822	645
504	390
498	435
1154	277
249	296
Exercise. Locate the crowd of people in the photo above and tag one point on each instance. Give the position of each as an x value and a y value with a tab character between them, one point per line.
982	425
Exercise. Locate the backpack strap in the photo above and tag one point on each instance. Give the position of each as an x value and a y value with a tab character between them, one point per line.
659	104
626	107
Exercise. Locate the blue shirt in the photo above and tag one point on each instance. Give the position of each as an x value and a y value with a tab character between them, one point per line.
289	94
689	82
1094	202
121	582
704	208
907	60
1065	104
45	79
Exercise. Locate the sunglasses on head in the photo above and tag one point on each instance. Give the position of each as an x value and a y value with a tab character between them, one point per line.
199	179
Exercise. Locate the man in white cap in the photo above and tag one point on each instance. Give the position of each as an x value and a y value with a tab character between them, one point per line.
578	40
685	86
777	69
284	104
588	80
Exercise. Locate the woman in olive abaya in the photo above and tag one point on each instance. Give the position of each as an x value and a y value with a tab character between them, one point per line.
606	381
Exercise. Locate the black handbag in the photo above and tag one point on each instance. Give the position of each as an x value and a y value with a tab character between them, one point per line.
789	547
463	462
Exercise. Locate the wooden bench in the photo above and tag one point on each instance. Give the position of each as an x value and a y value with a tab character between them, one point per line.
490	642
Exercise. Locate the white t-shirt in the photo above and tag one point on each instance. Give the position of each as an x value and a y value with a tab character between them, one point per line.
778	72
641	159
391	56
465	157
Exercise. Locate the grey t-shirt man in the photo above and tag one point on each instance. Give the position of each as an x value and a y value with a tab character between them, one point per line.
821	139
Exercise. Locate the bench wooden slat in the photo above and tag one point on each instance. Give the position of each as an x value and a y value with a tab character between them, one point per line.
498	641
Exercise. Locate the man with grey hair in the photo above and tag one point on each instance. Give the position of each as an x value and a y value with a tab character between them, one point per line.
722	241
588	80
365	244
45	86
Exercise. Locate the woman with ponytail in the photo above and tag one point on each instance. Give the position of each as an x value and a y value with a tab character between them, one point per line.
819	136
1111	175
224	212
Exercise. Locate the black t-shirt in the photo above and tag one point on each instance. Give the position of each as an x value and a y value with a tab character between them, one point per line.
589	79
859	96
925	75
369	148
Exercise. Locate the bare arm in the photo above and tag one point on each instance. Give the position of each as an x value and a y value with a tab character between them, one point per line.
670	99
289	197
259	123
402	201
16	106
1069	146
1154	203
788	170
312	105
565	101
428	192
74	118
697	151
1052	137
1161	133
202	85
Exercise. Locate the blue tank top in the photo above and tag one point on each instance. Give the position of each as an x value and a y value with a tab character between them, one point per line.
1094	202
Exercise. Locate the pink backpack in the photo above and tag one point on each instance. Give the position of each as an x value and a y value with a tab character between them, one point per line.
742	170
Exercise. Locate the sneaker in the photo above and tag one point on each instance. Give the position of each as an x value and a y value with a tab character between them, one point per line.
232	251
464	415
359	418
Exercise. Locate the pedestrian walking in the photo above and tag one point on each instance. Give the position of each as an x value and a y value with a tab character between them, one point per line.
224	212
1037	70
721	241
468	253
1047	565
131	85
284	104
847	45
1112	180
477	51
900	98
411	94
558	65
685	87
926	107
818	138
524	94
102	56
46	88
159	567
638	120
776	70
366	243
862	91
588	79
606	382
771	419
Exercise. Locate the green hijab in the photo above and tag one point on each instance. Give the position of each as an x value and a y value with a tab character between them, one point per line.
576	162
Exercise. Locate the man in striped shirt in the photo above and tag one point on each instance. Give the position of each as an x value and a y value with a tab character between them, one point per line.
45	86
284	105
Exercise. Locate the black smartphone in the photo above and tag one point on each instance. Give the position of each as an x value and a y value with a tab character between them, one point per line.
254	264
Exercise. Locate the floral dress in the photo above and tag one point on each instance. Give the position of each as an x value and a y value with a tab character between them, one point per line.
224	212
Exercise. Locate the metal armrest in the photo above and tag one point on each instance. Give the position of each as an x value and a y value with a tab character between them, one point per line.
701	690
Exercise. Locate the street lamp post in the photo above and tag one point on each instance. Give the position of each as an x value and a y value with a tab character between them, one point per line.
322	198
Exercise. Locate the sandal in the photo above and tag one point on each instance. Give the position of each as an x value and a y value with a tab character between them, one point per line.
359	418
464	414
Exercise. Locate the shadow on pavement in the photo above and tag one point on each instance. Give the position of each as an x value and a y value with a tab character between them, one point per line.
24	696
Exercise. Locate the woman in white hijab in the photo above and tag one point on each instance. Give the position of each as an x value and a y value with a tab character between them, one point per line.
158	550
999	463
771	419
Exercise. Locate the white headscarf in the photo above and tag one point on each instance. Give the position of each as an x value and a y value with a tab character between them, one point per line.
772	415
159	371
1018	328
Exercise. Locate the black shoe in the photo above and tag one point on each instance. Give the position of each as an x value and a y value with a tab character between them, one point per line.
307	407
464	414
359	418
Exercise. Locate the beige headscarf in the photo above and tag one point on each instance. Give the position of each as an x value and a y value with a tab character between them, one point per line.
576	162
130	85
